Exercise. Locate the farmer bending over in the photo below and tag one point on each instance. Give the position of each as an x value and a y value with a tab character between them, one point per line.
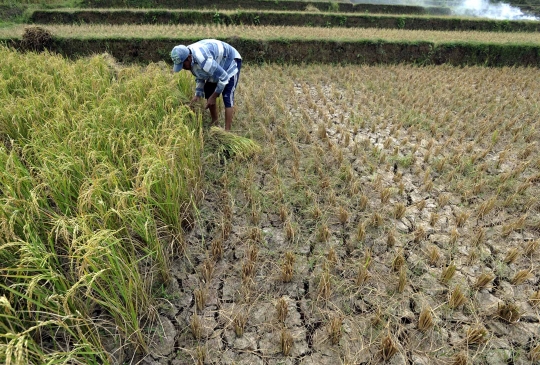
216	67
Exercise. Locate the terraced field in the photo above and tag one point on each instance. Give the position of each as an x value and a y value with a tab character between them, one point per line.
388	213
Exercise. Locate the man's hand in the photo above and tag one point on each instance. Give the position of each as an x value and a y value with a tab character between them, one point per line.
211	101
195	100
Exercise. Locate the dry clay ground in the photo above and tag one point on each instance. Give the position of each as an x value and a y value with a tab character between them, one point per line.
392	216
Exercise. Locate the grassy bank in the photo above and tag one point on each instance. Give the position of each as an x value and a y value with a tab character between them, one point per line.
297	44
100	166
266	5
274	18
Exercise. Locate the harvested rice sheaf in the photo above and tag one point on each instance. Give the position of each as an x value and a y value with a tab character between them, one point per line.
231	145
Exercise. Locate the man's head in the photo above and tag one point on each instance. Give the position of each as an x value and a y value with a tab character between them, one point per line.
181	58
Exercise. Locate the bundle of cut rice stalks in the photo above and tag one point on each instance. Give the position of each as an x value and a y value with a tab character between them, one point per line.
227	144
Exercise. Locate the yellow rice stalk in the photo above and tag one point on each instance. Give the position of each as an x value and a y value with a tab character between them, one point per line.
230	144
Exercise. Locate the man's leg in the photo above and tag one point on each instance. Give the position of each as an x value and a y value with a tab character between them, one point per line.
229	112
209	88
228	98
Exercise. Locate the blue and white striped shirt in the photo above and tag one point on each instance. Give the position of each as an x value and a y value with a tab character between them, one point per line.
213	61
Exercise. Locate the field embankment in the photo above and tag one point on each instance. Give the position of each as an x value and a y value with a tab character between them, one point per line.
266	5
297	44
275	18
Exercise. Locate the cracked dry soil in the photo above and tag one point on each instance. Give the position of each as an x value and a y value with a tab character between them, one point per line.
343	151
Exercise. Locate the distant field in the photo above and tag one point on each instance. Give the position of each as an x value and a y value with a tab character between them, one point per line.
268	33
278	18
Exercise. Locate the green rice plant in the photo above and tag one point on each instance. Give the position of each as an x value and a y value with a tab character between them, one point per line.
99	172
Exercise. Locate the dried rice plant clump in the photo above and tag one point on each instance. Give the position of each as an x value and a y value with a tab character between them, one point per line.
534	353
398	262
255	234
479	237
229	144
448	273
534	299
385	195
321	132
363	203
433	219
402	282
399	210
361	232
476	335
511	256
388	348
531	247
334	329
509	312
217	249
323	234
283	213
239	323
343	216
457	298
331	257
362	276
461	219
201	355
454	235
200	298
196	326
460	358
287	268
248	270
282	309
252	252
433	255
391	238
483	280
419	234
425	321
376	220
325	287
521	276
207	270
290	230
286	342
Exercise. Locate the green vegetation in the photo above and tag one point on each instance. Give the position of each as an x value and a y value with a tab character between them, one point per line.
277	18
100	166
131	43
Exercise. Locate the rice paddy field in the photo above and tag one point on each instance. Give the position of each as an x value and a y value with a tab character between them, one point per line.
357	214
94	31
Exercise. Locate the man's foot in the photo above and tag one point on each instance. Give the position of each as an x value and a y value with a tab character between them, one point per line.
215	123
